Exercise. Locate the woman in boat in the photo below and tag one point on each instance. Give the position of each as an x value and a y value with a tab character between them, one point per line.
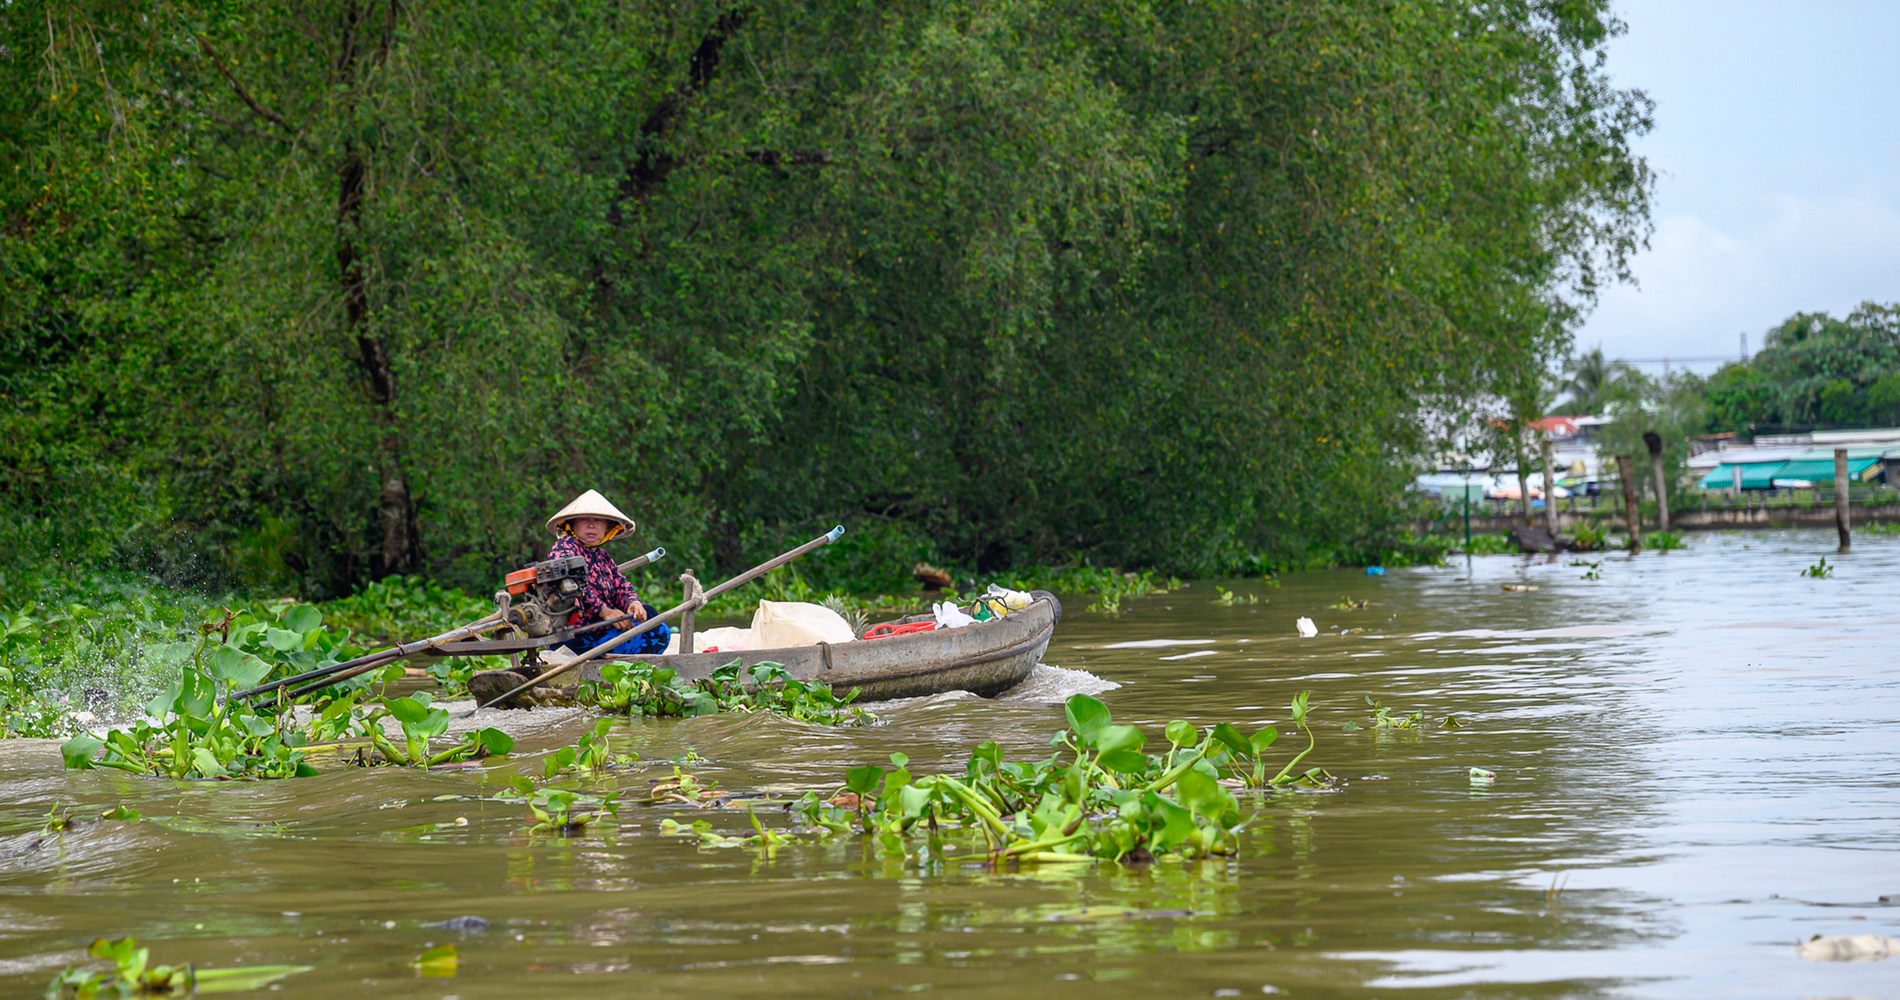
583	528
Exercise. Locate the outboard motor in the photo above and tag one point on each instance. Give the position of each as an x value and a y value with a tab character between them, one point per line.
546	593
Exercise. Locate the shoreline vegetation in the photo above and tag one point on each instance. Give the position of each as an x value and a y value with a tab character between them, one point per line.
76	648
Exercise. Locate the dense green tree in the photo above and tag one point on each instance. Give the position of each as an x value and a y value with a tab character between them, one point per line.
1814	370
358	287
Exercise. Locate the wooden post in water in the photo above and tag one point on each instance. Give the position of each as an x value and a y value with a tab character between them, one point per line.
1653	441
1632	513
1550	487
689	590
1841	498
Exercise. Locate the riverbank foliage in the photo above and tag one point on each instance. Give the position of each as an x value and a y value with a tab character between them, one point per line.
292	299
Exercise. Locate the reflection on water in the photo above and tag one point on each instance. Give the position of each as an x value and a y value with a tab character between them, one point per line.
1696	768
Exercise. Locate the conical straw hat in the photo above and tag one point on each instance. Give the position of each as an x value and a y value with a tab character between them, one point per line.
589	504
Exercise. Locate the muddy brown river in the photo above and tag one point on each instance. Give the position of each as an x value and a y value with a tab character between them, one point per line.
1697	762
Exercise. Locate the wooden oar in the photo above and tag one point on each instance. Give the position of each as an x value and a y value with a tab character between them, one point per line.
337	673
698	602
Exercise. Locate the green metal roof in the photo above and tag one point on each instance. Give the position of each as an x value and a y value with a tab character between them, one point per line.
1762	475
1755	475
1818	471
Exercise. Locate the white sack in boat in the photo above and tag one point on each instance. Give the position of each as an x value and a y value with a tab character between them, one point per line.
797	623
727	638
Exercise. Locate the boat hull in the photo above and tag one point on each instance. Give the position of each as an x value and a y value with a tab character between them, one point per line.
986	659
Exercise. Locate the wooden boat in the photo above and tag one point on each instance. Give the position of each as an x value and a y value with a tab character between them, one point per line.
987	658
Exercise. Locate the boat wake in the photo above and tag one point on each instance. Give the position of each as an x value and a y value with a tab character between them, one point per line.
1053	685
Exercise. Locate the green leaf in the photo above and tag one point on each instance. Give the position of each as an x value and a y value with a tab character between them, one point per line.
912	801
237	667
1201	791
283	640
407	710
863	780
1229	737
78	751
1263	739
1181	733
440	961
254	977
1087	716
206	763
435	723
1120	749
303	618
196	696
1177	823
493	741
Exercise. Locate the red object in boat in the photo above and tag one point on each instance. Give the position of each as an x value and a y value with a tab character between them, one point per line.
889	629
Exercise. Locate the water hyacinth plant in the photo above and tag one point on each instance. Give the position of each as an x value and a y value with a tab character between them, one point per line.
132	974
1100	796
202	736
640	689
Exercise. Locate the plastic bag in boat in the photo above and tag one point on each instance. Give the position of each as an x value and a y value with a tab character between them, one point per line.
726	639
950	616
797	623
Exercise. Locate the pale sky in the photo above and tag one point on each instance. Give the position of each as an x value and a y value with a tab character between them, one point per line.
1777	149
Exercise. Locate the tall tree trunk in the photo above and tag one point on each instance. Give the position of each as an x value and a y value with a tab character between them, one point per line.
400	551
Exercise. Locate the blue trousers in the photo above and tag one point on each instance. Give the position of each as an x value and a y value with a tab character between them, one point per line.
653	641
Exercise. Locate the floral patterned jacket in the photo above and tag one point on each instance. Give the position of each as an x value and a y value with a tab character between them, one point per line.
607	588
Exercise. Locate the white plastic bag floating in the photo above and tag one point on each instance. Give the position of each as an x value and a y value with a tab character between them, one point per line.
796	623
1306	627
950	616
726	639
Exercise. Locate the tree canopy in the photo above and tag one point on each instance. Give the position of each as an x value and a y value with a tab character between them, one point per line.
1814	371
308	294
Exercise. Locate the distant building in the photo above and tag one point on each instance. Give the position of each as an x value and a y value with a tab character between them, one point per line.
1784	460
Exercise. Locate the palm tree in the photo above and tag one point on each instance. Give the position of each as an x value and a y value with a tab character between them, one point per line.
1587	379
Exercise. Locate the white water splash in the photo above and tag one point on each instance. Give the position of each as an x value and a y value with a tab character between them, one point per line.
1156	643
1053	685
